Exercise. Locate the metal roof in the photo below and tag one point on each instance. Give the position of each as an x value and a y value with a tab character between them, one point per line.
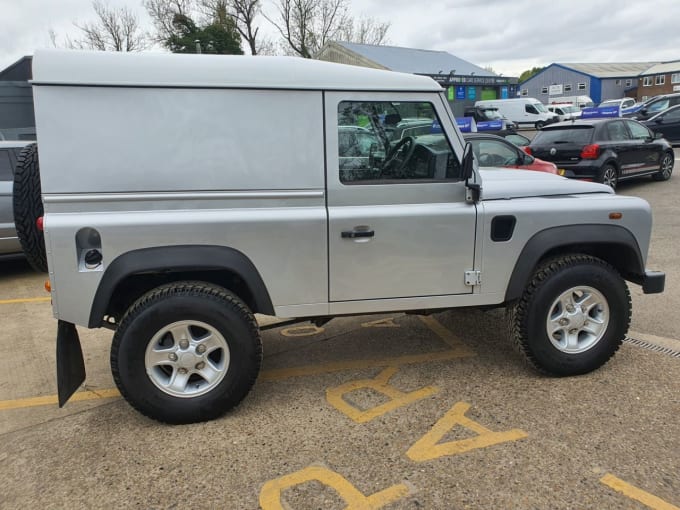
664	68
413	60
609	69
59	67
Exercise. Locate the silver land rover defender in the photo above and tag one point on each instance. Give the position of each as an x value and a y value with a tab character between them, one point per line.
183	194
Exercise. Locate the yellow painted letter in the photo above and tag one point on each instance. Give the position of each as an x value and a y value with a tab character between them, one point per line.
428	447
381	385
270	495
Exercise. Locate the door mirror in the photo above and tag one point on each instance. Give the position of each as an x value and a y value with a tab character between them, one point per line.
658	135
468	160
527	160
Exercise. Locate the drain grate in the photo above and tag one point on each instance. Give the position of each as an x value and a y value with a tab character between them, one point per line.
653	347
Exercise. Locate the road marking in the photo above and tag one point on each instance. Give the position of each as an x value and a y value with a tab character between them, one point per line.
296	331
25	300
381	323
458	350
428	447
270	495
52	399
633	492
380	384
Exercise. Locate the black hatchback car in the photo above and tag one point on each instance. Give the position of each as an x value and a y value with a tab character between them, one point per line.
605	150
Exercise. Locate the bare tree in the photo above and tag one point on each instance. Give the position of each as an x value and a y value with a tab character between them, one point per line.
306	25
367	31
244	13
163	12
116	29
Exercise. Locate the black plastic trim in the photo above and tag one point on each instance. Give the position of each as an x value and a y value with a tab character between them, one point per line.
577	236
502	228
182	258
70	362
653	282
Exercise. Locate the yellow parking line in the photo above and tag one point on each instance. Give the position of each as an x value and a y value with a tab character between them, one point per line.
457	350
19	403
25	300
633	492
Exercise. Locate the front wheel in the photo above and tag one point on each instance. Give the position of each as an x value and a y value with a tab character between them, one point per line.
665	169
572	317
186	352
539	125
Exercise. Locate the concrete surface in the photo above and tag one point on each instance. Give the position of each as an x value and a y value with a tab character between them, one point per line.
390	411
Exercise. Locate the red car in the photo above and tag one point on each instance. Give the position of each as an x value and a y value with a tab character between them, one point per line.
492	150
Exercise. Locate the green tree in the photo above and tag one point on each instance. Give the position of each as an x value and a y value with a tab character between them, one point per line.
220	36
529	73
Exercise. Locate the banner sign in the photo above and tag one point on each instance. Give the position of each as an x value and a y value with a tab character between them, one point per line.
601	112
460	91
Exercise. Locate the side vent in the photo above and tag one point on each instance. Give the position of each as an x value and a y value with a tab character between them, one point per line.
502	228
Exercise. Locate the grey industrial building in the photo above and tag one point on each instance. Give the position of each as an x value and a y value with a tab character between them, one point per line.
465	82
17	120
599	81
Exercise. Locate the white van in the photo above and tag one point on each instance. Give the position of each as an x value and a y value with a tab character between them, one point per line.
565	111
522	111
579	101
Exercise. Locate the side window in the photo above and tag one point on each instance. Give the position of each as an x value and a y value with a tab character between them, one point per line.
617	131
638	131
6	173
494	153
386	141
672	116
529	108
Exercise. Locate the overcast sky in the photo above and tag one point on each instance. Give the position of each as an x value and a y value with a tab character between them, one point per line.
508	35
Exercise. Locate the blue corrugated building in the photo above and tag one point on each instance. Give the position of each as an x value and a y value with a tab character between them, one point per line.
599	81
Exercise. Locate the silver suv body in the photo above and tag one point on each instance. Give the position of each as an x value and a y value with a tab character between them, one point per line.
182	194
9	154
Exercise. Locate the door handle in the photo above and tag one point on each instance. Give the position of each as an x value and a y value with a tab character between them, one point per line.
355	234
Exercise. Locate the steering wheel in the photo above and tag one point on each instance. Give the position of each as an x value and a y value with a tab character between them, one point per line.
396	159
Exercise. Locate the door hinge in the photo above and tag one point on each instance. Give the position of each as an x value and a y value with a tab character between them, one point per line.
473	278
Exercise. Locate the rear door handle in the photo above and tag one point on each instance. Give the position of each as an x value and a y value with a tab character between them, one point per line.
355	234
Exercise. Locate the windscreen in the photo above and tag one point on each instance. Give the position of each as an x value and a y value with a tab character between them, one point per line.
577	135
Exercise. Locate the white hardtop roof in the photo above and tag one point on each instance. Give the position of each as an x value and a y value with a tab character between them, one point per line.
58	67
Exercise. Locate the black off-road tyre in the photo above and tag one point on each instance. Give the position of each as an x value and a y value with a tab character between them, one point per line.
529	315
185	302
28	207
665	168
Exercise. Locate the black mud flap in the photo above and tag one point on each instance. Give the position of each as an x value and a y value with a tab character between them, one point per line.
70	363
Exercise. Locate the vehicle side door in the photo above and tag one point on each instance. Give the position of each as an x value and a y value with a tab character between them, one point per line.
8	242
621	143
647	154
399	226
668	124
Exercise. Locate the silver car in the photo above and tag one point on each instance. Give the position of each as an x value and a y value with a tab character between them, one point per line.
9	153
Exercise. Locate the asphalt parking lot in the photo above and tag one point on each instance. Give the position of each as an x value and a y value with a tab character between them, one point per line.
391	411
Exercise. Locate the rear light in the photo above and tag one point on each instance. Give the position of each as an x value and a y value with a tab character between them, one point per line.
591	151
527	149
40	223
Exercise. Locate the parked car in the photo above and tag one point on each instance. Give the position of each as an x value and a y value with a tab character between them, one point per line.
652	106
484	114
9	154
667	123
604	150
565	111
514	137
493	150
624	102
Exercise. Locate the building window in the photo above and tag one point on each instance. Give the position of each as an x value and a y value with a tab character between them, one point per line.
567	87
544	90
629	82
644	98
647	81
660	79
524	92
581	86
675	78
617	83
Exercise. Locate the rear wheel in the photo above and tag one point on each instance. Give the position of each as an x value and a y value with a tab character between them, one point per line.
28	207
666	168
572	317
186	352
609	176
